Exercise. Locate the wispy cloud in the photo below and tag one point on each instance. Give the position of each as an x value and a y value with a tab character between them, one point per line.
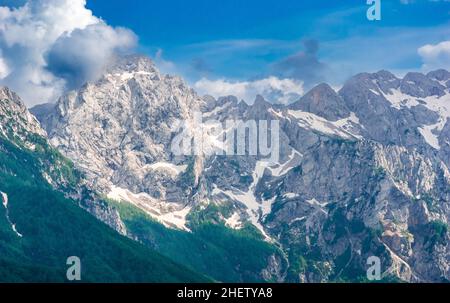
272	89
166	66
304	65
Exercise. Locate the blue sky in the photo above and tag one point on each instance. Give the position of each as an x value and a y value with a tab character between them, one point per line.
277	48
247	39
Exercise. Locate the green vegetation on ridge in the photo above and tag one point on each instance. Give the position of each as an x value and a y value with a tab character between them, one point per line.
225	254
55	228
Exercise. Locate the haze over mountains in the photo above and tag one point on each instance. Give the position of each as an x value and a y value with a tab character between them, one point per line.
363	171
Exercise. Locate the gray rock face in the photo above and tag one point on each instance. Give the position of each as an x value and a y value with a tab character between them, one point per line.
392	111
439	75
43	111
445	143
421	86
324	102
362	172
107	214
21	128
15	119
119	129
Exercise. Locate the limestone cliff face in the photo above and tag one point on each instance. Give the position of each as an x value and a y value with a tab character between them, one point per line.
15	119
19	127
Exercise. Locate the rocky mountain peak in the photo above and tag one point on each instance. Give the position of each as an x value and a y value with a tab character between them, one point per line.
323	101
382	81
210	102
15	119
386	81
419	85
120	129
132	63
7	94
386	75
441	75
261	102
258	110
221	101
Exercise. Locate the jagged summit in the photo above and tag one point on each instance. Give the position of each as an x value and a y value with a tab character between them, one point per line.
386	75
6	94
261	102
440	75
323	101
120	130
422	86
132	63
383	81
15	119
221	101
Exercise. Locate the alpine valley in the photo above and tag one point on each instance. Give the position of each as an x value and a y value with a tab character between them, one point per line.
362	172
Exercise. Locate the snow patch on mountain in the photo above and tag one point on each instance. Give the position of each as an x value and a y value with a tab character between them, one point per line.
172	215
290	195
399	99
427	131
166	166
234	221
5	204
440	105
437	104
318	205
282	169
341	128
255	210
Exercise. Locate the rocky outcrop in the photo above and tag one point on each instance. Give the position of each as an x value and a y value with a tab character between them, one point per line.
323	101
15	119
18	126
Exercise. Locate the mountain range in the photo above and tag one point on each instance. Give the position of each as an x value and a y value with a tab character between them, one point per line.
362	172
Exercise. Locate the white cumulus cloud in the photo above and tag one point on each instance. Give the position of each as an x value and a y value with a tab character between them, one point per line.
435	56
4	69
49	46
272	89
